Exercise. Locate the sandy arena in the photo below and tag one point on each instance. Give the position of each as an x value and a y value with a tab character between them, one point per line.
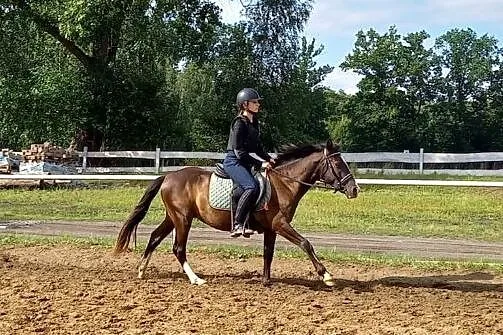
72	290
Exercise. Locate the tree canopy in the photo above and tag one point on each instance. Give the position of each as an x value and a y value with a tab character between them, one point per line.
165	74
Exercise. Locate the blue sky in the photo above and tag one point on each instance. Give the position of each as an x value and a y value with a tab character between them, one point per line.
334	24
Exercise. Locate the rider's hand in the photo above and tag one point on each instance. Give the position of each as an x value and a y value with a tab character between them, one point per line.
267	165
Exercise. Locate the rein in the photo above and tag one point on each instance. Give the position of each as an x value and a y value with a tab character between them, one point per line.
340	182
330	187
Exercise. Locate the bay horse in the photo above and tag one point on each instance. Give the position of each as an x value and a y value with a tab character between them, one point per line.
185	197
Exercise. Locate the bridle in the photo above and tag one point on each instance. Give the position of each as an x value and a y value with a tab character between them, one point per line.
338	184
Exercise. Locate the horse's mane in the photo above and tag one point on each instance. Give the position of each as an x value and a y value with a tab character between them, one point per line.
291	152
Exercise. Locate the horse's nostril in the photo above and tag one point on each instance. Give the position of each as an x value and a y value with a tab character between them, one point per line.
354	192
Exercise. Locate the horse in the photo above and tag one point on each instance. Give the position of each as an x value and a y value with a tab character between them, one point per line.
185	197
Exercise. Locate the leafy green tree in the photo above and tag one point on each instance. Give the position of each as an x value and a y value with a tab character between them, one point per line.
41	91
494	108
284	66
275	27
162	73
299	102
106	37
469	62
386	112
338	123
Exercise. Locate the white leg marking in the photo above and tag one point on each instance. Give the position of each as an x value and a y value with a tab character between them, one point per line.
194	279
143	267
328	279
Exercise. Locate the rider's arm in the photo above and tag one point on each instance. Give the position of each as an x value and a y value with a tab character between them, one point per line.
262	154
240	132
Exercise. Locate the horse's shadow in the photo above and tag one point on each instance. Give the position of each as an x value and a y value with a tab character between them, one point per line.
471	282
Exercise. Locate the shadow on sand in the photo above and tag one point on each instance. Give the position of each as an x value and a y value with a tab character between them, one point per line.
471	282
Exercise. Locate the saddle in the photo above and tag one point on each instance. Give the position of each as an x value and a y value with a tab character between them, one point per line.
221	186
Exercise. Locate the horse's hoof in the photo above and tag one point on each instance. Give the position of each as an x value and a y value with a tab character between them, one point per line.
199	281
328	279
266	282
329	283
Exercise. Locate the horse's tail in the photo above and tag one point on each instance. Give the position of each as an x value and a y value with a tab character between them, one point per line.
137	215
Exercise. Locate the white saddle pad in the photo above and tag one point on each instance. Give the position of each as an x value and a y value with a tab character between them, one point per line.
220	192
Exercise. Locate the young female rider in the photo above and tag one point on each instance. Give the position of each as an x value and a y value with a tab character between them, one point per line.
244	138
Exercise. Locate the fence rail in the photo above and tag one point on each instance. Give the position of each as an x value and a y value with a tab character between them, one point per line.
149	173
361	181
419	158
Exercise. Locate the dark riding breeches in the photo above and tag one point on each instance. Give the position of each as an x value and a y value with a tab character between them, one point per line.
248	187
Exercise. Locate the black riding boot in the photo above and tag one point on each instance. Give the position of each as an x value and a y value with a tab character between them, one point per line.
243	208
237	192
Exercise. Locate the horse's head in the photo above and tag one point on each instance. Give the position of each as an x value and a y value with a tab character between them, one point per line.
335	171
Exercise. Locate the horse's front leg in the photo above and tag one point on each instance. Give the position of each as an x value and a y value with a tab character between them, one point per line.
269	242
288	232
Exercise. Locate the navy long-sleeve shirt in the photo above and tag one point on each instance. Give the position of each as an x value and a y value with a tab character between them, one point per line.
244	139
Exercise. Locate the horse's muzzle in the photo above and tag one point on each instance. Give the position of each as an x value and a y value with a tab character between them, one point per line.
351	189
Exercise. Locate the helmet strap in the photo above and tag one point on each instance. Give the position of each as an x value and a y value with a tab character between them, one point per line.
250	115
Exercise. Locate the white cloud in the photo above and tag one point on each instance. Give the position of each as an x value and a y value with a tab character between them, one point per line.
464	11
231	10
340	80
345	18
334	23
340	17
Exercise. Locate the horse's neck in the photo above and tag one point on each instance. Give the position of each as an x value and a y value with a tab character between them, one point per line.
301	170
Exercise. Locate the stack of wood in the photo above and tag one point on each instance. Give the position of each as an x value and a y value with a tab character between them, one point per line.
4	162
46	152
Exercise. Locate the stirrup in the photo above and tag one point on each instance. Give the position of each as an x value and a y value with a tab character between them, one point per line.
247	232
237	231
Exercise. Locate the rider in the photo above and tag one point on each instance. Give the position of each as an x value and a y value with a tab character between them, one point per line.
244	138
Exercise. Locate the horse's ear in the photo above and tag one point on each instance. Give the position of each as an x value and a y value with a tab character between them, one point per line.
329	145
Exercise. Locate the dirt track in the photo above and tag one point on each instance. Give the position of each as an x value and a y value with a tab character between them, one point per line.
72	290
423	247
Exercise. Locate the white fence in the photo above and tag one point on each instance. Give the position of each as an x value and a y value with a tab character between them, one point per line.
87	172
419	158
360	181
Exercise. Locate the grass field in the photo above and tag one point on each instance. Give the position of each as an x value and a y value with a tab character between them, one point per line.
427	211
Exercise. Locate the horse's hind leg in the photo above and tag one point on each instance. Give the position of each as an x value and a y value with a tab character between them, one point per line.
269	242
288	232
180	236
156	238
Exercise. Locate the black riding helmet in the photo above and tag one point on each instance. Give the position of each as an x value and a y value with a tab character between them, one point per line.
247	94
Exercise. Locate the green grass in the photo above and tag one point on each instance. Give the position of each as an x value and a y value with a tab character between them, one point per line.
408	211
426	211
243	253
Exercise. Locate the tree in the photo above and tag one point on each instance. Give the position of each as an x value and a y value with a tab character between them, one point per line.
41	92
386	112
106	37
141	71
494	109
469	62
275	27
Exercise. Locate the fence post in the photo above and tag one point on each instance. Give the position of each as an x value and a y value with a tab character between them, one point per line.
157	160
421	160
84	159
